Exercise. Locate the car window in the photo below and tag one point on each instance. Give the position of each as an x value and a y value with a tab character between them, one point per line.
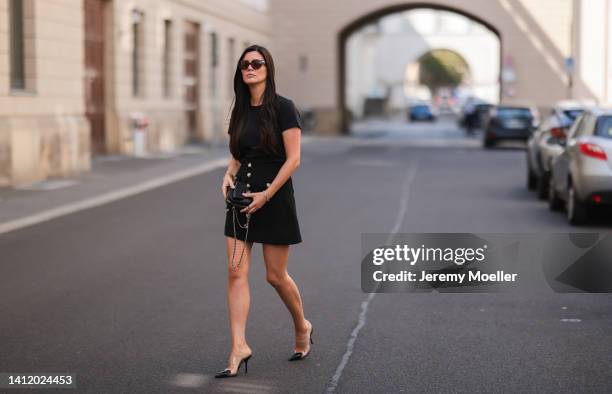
572	113
510	112
604	127
587	126
575	126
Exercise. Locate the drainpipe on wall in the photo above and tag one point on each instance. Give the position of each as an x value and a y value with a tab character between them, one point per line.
573	33
607	76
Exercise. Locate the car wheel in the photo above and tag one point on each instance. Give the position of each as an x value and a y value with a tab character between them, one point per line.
543	185
488	142
554	202
532	180
577	211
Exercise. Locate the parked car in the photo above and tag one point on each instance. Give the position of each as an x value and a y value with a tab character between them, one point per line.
421	112
472	114
581	176
544	144
508	122
481	110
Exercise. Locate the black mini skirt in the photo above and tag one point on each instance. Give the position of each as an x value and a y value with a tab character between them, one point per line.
276	221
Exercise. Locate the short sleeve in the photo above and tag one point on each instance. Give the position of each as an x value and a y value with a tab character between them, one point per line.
289	116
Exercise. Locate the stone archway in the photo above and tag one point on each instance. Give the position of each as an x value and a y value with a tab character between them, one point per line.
413	74
535	40
352	27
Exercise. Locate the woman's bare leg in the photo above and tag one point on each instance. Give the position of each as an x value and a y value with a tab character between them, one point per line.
275	257
238	299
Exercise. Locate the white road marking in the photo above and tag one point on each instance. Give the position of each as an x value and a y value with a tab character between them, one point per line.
571	320
361	321
48	185
110	196
116	194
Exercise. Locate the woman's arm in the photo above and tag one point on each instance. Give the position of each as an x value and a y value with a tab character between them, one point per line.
291	139
230	174
233	166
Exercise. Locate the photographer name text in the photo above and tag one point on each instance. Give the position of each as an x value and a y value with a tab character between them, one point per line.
425	276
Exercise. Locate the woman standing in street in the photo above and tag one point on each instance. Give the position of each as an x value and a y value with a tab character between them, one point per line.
264	131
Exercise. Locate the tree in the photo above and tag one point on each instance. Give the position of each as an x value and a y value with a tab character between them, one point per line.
441	68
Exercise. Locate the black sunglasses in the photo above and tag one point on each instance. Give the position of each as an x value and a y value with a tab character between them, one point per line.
255	63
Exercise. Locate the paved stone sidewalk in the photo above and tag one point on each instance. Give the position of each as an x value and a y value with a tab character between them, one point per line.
111	177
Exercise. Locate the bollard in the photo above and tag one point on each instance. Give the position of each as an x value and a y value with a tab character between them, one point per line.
139	128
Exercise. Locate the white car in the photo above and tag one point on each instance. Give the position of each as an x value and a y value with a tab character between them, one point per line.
581	176
544	145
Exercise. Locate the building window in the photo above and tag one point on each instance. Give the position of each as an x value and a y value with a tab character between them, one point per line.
166	64
213	49
17	45
137	45
213	62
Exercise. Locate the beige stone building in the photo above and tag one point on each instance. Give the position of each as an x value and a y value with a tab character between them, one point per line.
536	37
76	74
43	129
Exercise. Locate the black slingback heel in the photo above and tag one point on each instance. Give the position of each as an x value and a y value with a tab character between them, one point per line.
227	373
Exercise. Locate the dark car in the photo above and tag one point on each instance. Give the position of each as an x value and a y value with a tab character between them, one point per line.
421	112
508	123
481	111
472	116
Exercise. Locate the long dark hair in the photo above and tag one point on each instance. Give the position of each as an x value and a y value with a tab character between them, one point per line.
242	98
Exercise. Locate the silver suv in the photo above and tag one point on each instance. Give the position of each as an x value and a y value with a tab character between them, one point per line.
581	176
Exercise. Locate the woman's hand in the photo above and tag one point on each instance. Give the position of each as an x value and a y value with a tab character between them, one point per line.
259	199
228	181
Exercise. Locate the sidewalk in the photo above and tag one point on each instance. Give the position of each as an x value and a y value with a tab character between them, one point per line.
111	178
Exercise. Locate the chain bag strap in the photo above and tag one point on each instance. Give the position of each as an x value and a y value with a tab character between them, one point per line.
236	200
246	226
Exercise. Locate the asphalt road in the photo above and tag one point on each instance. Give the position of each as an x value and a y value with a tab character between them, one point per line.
131	296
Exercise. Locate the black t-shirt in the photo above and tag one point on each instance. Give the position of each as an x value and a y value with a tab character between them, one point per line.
288	117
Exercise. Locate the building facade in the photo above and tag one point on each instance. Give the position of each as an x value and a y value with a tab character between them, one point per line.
84	77
536	37
592	51
384	56
43	129
87	77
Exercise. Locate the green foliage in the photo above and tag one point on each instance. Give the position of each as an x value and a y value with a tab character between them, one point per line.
441	68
